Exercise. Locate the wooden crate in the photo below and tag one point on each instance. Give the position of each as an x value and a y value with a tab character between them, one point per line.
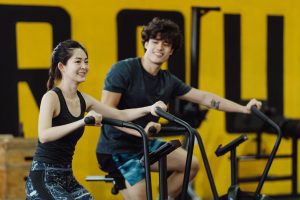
14	166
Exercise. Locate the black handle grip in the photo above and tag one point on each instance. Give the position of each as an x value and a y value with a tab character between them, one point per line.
164	114
90	120
152	131
166	131
171	129
262	116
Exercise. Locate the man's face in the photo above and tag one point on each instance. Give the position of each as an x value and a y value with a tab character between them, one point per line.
158	51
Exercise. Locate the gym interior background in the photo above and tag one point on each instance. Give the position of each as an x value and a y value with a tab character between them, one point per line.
246	49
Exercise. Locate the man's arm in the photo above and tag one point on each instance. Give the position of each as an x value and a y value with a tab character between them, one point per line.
216	102
112	99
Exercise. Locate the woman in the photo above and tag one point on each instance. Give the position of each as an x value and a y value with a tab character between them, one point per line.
61	124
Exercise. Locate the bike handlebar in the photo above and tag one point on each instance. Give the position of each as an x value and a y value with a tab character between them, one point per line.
165	129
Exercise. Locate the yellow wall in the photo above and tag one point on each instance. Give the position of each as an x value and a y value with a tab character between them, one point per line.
93	23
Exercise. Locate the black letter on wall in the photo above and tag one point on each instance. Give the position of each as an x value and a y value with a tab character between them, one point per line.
11	75
233	69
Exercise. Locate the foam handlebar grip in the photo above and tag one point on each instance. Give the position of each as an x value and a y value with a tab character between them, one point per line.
90	120
260	114
164	114
152	131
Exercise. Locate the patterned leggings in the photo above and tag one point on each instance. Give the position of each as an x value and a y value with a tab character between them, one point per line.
54	181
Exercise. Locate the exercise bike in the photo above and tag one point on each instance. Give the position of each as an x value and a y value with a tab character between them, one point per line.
149	158
234	193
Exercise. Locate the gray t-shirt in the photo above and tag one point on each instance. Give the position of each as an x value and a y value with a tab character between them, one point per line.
138	89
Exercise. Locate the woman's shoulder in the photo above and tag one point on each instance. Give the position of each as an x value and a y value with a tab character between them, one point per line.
50	100
50	95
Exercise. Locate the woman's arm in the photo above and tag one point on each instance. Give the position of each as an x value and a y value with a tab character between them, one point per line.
112	100
214	101
108	107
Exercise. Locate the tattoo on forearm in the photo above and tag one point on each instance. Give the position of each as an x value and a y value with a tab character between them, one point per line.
215	104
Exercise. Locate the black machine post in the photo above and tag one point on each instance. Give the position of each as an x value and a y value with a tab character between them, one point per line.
232	148
162	162
119	123
190	147
267	120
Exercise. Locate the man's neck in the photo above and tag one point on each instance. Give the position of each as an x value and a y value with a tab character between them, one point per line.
151	68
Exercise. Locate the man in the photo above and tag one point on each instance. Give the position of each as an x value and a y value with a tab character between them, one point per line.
137	82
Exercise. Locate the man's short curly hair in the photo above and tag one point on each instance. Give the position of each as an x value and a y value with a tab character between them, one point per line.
167	29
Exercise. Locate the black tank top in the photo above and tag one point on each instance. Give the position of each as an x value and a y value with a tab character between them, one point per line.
61	151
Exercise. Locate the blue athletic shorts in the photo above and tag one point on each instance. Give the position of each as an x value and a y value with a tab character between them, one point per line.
129	163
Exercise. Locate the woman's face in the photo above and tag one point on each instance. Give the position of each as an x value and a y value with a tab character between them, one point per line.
76	67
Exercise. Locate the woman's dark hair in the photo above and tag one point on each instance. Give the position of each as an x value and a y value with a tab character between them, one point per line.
61	53
167	29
